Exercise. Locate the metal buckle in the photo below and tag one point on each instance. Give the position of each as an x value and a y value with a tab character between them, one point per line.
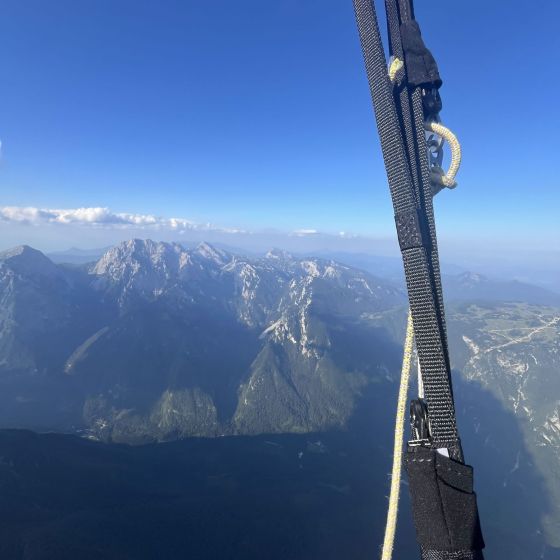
434	144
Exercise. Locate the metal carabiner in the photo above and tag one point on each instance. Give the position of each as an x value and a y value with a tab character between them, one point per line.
436	135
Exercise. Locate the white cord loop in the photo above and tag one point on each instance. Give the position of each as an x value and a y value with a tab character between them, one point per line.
446	179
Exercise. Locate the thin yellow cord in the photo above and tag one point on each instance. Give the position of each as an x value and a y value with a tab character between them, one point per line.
394	66
448	179
389	540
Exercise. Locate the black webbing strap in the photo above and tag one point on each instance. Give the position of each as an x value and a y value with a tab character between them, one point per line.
415	229
399	18
444	504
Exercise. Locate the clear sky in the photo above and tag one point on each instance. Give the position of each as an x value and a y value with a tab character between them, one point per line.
257	115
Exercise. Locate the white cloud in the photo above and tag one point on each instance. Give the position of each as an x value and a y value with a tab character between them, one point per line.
95	216
304	232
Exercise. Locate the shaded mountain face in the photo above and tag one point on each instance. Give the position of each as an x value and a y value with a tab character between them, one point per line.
156	342
45	310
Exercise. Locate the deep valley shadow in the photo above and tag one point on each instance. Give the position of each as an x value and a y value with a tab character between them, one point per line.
283	497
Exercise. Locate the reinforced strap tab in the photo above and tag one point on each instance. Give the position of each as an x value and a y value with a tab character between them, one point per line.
443	503
410	229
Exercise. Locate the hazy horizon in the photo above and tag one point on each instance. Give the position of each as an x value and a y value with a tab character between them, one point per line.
539	268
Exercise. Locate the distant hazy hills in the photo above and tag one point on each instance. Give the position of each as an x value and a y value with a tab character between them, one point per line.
468	286
75	255
459	283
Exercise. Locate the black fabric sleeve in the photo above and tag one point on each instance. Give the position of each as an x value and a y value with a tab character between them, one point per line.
421	67
444	505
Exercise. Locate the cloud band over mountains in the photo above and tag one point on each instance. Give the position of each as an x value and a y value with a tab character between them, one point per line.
52	229
103	217
96	216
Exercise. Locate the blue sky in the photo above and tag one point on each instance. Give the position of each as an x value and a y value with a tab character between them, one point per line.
257	115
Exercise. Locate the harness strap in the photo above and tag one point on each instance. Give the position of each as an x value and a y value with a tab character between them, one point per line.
410	188
444	504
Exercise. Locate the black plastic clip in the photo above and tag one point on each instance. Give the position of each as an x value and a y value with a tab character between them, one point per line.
419	424
431	102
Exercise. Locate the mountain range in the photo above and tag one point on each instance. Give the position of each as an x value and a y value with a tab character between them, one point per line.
154	342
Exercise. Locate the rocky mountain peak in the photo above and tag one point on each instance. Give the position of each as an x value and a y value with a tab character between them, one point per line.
471	278
137	255
278	254
213	254
26	261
